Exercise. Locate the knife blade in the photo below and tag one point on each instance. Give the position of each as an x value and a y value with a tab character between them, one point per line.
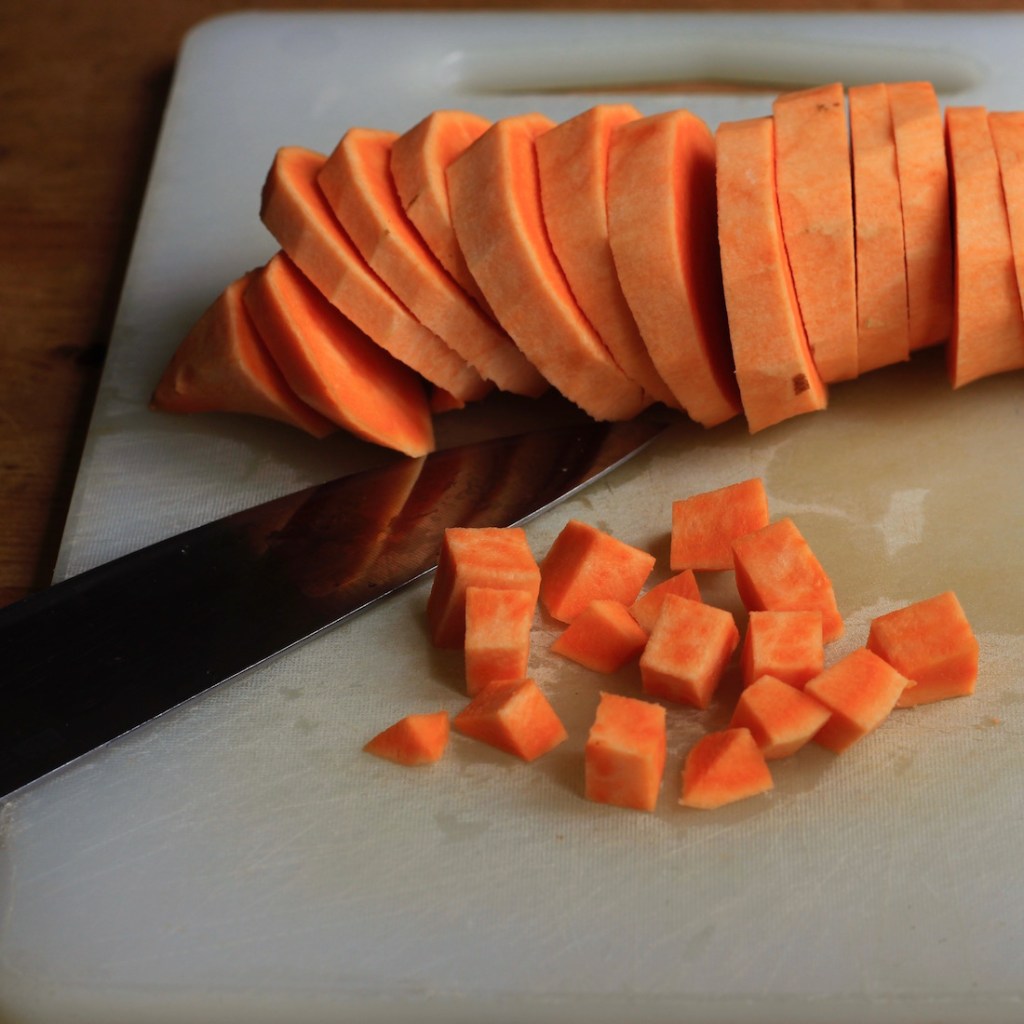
105	651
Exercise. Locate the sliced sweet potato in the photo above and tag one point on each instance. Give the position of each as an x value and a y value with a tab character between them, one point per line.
988	327
883	324
333	367
603	637
781	718
413	740
496	211
785	644
1007	128
419	163
297	215
646	608
661	226
776	373
705	525
356	181
512	715
924	200
624	758
815	193
932	644
222	365
723	767
497	643
572	162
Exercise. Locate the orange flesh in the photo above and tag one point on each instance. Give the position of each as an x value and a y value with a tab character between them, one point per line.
413	740
1008	138
705	525
723	767
780	717
787	645
497	641
514	716
603	637
646	608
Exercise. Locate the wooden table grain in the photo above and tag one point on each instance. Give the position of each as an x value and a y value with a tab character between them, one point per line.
82	88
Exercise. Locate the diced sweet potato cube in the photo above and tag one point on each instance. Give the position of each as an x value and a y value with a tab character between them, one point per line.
603	637
497	557
780	717
787	645
646	608
585	564
625	753
512	715
497	635
860	690
705	525
776	570
687	653
723	767
413	740
931	643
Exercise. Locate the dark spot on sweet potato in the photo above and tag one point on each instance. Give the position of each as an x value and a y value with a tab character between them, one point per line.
800	383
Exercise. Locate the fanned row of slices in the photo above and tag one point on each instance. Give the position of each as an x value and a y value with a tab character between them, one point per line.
622	260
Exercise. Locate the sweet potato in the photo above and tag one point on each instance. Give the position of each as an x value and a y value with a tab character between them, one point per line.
413	740
603	637
705	525
723	767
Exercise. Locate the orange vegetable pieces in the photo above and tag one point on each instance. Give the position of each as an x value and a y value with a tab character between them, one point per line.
356	181
662	231
780	717
585	564
495	557
705	525
332	366
297	215
603	637
497	641
419	163
723	767
1007	130
787	645
223	365
499	224
624	759
646	608
931	643
688	651
776	374
776	570
988	327
413	740
924	199
572	162
512	715
815	193
860	690
883	325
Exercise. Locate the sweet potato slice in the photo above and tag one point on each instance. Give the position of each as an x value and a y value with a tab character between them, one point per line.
705	525
420	159
356	181
785	644
572	161
924	200
988	327
815	192
222	365
496	210
413	740
883	324
297	215
661	226
1007	128
624	759
781	718
497	644
723	767
603	637
776	373
333	366
646	608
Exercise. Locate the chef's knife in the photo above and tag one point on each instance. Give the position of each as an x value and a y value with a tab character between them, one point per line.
107	650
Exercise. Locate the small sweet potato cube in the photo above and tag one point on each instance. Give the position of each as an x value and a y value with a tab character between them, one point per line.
646	608
497	644
787	645
585	564
603	637
512	715
930	642
780	717
723	767
625	754
705	525
496	557
776	570
860	690
687	653
413	740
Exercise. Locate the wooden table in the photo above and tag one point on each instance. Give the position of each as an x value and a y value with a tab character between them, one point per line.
82	89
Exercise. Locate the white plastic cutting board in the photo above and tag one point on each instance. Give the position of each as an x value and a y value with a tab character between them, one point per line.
241	859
